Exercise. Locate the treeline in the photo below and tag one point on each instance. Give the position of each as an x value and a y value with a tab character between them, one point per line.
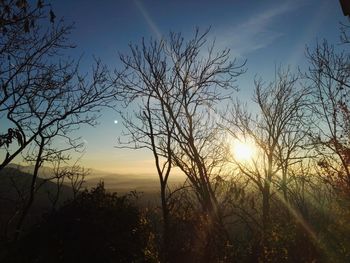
289	202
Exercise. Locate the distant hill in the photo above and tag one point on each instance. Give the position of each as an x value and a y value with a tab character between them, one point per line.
127	182
15	184
14	181
115	182
43	171
145	184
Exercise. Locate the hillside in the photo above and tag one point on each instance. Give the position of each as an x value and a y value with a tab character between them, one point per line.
15	182
115	182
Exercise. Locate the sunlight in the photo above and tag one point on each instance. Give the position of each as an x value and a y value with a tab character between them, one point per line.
243	150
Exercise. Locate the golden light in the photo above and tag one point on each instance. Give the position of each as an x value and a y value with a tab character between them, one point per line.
243	150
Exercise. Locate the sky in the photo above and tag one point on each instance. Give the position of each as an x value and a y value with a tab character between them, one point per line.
265	33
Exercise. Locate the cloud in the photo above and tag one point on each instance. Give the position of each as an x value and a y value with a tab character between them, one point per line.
255	32
151	24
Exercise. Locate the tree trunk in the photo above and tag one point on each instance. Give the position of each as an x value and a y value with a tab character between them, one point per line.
266	205
284	185
30	201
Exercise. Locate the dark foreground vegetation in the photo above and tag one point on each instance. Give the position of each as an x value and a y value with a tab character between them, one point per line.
98	226
289	201
94	227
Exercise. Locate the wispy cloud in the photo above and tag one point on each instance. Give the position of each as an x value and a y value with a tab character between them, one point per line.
151	24
254	33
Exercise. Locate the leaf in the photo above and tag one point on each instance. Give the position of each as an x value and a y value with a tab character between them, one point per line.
40	4
21	3
26	26
52	16
7	9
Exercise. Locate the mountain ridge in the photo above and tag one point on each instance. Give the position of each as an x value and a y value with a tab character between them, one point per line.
116	182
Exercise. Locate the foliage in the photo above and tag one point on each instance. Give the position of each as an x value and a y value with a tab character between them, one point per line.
97	226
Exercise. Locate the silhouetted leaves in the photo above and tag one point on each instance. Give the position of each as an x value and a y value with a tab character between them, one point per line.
40	4
52	16
96	227
26	26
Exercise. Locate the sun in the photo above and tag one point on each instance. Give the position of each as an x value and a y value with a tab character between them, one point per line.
243	150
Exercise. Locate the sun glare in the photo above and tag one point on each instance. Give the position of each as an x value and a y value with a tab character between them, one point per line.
243	151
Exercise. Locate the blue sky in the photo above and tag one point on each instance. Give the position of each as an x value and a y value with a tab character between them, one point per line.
266	33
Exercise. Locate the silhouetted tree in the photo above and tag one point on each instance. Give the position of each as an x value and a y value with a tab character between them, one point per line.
176	86
43	93
44	96
277	134
329	73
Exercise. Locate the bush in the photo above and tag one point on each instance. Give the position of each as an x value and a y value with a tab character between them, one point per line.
95	227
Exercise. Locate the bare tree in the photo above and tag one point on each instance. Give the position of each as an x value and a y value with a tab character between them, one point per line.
61	102
150	128
41	88
277	134
176	85
44	96
329	75
45	151
179	87
24	49
64	173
